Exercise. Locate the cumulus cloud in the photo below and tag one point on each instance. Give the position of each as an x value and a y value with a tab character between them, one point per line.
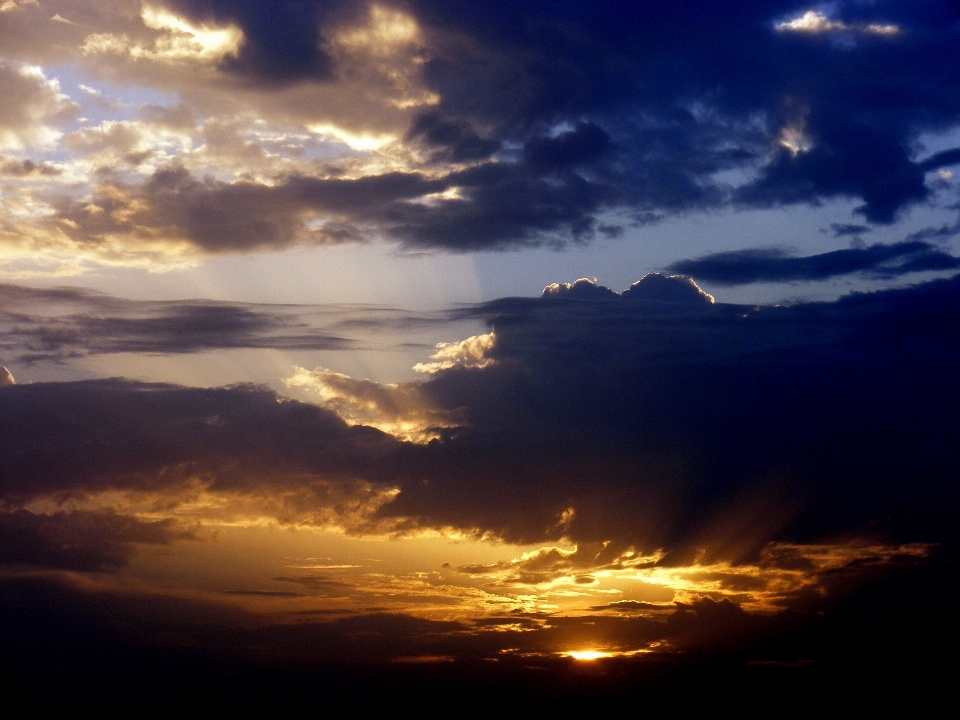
448	127
617	419
6	377
175	40
78	540
652	287
472	353
720	449
672	289
399	409
814	22
33	109
703	430
25	168
584	288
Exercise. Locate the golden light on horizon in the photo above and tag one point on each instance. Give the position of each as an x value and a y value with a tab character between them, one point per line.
588	655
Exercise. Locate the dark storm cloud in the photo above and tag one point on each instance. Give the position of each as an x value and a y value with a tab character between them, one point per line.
103	644
450	139
581	146
699	426
96	435
282	42
654	419
503	206
740	267
651	419
78	540
62	323
216	216
554	118
500	205
679	88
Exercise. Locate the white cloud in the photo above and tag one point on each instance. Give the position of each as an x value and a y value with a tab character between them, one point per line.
175	41
471	353
815	23
13	5
32	108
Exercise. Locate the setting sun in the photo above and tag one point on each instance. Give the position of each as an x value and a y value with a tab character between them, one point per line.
442	353
588	654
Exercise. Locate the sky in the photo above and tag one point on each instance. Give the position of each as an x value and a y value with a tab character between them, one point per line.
559	348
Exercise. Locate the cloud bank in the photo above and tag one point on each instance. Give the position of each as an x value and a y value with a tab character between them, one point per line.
654	420
447	126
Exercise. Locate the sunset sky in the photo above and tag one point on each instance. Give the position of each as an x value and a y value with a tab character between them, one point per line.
550	341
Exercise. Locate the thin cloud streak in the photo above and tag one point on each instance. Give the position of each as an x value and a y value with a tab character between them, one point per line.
64	324
741	267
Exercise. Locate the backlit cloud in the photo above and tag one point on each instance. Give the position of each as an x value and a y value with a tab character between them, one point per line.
502	136
472	353
815	22
399	409
219	480
744	490
34	107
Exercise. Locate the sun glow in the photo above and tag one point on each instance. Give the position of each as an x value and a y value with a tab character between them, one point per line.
192	40
588	655
355	141
795	140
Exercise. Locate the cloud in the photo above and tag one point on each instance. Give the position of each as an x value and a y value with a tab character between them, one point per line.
471	353
814	23
175	40
584	288
450	139
554	565
281	46
700	429
641	75
842	229
6	377
33	109
673	289
173	208
444	126
165	328
710	433
488	206
25	168
86	541
68	323
652	287
740	267
711	426
77	633
399	409
226	450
